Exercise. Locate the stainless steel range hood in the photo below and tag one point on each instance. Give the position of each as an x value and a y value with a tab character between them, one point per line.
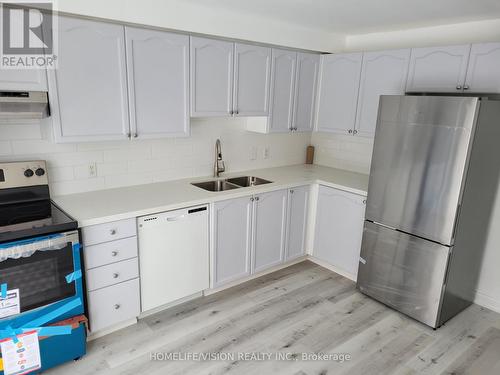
23	105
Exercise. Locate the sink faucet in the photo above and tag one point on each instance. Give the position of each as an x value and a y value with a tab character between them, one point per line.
219	166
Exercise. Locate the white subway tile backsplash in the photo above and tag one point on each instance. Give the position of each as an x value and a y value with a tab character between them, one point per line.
124	163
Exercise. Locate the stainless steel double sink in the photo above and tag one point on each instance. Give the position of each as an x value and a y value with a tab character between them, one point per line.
231	183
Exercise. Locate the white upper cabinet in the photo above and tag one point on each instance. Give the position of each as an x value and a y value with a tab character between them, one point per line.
483	73
158	83
382	73
298	202
211	77
23	80
232	232
438	69
282	90
339	229
338	92
88	91
252	68
305	91
269	229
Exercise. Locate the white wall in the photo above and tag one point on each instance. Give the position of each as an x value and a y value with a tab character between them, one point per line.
467	32
122	163
184	16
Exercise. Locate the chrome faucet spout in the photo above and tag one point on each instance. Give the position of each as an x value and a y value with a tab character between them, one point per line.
219	166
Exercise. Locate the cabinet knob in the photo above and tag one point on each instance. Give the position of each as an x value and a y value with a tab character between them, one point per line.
251	199
114	253
291	191
128	135
256	198
115	275
459	87
355	131
236	112
350	131
231	113
117	306
364	201
135	135
466	87
112	232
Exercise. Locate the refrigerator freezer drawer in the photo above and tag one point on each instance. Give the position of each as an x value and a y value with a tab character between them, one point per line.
403	271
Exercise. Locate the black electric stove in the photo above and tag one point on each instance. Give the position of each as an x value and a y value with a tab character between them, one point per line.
25	206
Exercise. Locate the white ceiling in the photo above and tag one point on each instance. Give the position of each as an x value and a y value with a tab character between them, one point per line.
361	16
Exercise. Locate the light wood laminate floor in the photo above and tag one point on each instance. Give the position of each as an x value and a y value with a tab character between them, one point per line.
301	309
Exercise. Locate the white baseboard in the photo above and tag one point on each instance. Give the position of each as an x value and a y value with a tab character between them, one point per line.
114	328
328	266
487	301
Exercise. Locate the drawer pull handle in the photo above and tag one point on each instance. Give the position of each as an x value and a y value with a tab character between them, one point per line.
112	232
114	253
117	306
115	275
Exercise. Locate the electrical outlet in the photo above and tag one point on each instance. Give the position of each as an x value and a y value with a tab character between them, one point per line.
265	154
93	169
253	153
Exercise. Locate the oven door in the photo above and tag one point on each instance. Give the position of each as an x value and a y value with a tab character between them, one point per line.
42	275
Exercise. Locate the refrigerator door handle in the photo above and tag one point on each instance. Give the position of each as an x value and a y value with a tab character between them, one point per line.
457	217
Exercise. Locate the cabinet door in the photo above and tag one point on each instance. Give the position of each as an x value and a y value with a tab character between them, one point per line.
298	201
89	88
439	69
232	239
23	80
305	91
282	90
339	229
211	77
269	229
382	73
338	92
252	65
157	72
483	73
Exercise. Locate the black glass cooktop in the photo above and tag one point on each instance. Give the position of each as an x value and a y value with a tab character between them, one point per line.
31	213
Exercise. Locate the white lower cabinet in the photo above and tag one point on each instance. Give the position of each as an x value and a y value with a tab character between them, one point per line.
248	235
114	304
269	223
339	229
112	273
298	202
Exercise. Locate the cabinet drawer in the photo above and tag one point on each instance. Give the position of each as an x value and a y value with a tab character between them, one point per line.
114	304
110	252
108	232
101	277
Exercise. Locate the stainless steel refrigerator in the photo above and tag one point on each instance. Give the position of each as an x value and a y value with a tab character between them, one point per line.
433	180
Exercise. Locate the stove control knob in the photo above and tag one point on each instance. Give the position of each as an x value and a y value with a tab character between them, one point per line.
28	172
40	172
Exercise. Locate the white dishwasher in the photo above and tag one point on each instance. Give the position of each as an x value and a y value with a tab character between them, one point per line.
173	255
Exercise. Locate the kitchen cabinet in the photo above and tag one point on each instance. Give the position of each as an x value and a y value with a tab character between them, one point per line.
269	223
211	77
382	73
23	80
339	229
112	273
248	235
232	236
158	83
282	92
483	72
306	78
297	208
88	91
252	68
438	69
338	92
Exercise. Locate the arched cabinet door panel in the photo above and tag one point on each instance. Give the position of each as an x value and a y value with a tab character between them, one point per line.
483	73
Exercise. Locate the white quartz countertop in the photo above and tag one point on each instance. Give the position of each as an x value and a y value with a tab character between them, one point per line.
98	207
